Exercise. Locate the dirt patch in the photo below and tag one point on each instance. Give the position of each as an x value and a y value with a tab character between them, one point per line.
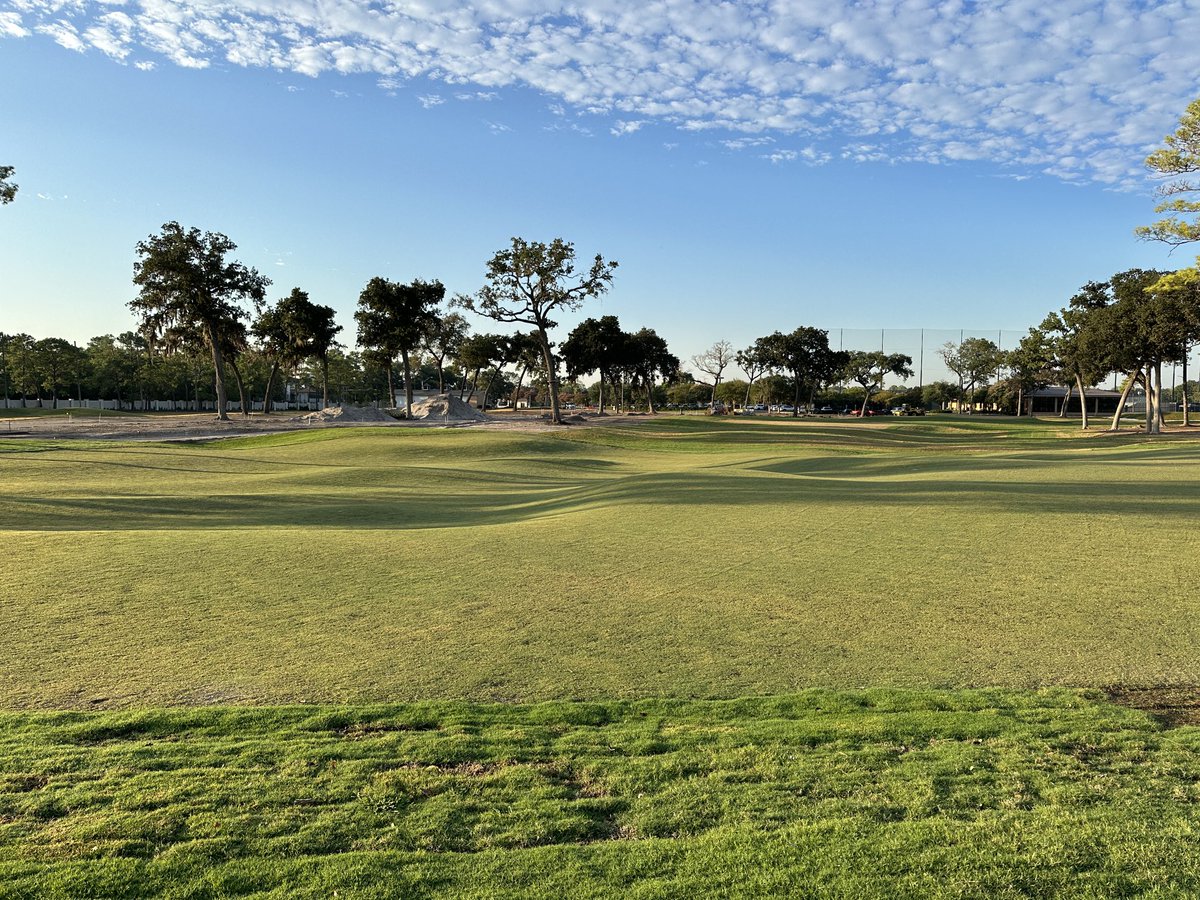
1173	705
446	408
347	414
207	427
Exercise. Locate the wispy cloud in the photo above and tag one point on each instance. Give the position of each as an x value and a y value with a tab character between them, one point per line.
743	143
1079	89
429	101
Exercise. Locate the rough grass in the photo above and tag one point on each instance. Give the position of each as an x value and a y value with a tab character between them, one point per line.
690	558
879	794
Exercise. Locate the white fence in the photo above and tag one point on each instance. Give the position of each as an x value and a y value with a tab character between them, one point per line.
154	405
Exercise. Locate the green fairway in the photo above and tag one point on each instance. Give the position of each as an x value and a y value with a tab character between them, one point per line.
979	794
681	557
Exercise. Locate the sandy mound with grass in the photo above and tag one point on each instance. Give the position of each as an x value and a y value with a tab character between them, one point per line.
348	414
446	408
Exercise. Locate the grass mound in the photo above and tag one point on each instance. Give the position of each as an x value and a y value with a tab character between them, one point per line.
821	794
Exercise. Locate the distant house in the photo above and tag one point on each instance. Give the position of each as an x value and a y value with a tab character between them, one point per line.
1049	401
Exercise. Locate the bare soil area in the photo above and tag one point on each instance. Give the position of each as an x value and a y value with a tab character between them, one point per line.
207	427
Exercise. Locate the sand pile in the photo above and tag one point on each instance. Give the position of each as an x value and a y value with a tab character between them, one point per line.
348	414
446	408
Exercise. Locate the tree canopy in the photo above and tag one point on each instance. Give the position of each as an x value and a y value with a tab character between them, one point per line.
528	283
867	368
805	355
713	362
393	320
1177	159
8	190
293	330
187	285
597	345
973	360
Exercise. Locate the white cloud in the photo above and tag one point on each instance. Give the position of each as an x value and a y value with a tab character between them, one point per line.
1079	88
10	25
429	101
778	156
743	142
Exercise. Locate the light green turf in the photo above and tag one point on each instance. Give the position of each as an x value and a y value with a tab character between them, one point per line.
881	794
679	557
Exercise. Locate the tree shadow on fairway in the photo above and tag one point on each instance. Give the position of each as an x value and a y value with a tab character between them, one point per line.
773	485
1060	466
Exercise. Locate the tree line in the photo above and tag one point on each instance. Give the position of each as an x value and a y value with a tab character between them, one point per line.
195	301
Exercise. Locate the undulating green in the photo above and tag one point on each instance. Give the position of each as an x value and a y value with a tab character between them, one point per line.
678	557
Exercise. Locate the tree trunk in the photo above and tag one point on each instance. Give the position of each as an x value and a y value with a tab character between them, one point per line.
600	410
474	382
218	375
270	388
1082	401
517	390
324	381
796	396
408	389
650	396
391	401
551	374
1159	421
1062	413
237	377
1153	401
487	390
441	375
1186	420
862	413
1125	391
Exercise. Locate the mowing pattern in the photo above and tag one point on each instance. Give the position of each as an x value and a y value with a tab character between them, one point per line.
822	794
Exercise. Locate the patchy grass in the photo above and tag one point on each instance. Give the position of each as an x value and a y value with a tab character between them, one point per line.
696	558
820	794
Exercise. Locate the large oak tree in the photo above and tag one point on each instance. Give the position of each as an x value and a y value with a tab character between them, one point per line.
188	284
529	283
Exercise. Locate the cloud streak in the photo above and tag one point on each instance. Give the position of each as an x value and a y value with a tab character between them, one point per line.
1078	89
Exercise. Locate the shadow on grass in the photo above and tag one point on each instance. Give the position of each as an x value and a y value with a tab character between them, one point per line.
519	500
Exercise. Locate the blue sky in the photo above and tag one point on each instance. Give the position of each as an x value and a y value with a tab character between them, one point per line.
752	166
